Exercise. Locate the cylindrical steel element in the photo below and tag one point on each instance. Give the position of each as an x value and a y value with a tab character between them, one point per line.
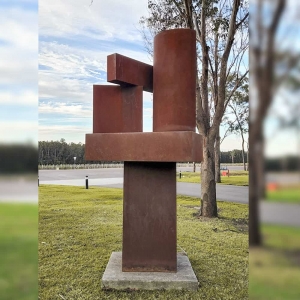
174	80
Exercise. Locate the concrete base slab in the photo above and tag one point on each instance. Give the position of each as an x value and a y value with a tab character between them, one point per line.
114	278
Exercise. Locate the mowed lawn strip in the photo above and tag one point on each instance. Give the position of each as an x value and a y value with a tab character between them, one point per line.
275	267
79	229
18	251
240	178
287	194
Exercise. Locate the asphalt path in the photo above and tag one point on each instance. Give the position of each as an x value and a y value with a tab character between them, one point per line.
49	175
113	177
26	191
18	190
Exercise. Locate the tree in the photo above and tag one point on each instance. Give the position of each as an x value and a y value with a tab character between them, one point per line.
222	41
262	64
231	125
240	108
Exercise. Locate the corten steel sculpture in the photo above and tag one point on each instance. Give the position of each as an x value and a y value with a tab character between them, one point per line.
149	209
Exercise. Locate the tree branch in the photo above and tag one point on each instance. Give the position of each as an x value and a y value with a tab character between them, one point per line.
242	21
237	85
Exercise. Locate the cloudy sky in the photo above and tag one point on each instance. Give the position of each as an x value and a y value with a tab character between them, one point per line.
18	75
74	41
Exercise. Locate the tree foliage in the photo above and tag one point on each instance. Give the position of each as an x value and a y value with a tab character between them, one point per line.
60	152
18	158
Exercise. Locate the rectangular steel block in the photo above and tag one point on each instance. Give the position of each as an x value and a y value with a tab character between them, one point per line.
149	217
117	109
127	71
172	146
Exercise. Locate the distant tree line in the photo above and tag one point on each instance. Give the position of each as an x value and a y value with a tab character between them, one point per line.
60	152
18	158
284	163
234	156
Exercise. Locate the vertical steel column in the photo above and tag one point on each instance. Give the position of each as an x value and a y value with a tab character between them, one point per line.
149	217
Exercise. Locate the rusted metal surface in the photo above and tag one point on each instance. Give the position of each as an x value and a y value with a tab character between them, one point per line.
117	109
174	80
149	217
149	212
181	146
127	71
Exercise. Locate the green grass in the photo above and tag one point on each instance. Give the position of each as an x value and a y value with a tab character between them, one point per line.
18	251
275	268
239	178
78	230
285	194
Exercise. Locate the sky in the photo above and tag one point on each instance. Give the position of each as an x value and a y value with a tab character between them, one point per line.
52	55
18	75
75	39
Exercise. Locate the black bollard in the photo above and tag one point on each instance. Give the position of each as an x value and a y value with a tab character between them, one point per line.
86	182
38	181
179	174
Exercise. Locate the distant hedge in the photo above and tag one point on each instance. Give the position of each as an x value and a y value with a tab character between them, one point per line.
18	158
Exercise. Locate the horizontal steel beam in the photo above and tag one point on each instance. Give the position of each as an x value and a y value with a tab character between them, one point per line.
127	71
172	146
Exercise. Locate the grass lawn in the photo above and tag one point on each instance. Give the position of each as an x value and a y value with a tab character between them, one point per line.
290	194
240	178
18	251
78	230
275	268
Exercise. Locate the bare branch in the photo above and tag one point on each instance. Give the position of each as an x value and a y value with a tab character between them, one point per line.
242	21
237	85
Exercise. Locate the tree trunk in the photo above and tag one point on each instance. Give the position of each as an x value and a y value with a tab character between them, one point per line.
243	153
208	184
261	169
217	158
248	155
255	159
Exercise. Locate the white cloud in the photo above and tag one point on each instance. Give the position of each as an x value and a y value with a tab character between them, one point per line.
18	70
18	131
72	133
72	71
26	97
18	53
102	20
65	109
75	40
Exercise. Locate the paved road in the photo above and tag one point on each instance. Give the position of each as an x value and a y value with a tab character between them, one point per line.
47	175
26	191
18	190
113	177
280	213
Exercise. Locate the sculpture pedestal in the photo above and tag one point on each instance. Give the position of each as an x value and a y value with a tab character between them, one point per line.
114	278
149	217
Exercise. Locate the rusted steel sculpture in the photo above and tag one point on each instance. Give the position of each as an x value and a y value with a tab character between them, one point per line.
149	209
